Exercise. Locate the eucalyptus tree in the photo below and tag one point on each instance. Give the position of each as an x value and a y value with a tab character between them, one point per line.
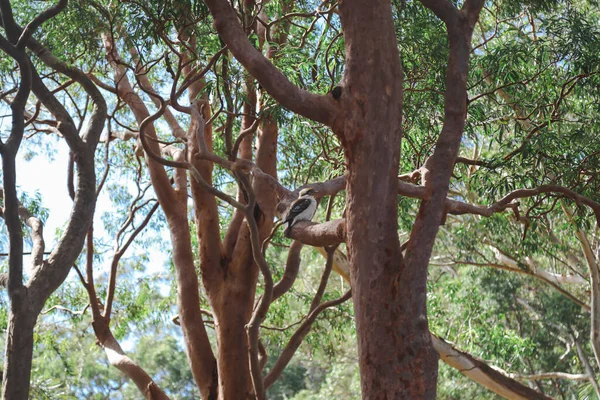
380	115
27	299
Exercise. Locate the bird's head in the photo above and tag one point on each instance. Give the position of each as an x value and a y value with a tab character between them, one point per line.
307	192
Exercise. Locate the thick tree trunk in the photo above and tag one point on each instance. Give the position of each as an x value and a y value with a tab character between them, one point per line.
18	353
234	369
396	356
232	307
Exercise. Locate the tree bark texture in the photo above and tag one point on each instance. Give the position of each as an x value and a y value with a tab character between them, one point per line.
396	356
18	352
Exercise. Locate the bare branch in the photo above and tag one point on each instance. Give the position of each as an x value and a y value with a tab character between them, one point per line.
588	368
319	235
550	375
261	309
117	358
324	279
443	9
292	266
594	269
119	251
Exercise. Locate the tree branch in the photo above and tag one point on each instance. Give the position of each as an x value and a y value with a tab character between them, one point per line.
480	372
318	108
260	312
39	20
292	266
594	270
443	9
550	375
319	235
120	250
298	336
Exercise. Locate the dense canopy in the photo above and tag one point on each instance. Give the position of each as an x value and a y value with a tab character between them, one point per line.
150	148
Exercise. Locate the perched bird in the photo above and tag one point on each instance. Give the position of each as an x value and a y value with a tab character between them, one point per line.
302	209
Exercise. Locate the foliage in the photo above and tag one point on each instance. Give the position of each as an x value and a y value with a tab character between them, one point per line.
534	90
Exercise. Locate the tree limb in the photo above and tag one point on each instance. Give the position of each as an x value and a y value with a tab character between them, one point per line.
318	108
298	336
483	374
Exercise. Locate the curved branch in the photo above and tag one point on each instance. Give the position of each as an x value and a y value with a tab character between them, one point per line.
117	358
480	372
119	251
297	338
318	108
39	20
292	266
51	274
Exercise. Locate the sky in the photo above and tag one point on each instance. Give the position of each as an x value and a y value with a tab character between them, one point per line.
49	177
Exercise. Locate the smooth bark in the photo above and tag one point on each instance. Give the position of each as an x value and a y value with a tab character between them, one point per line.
117	358
480	372
174	203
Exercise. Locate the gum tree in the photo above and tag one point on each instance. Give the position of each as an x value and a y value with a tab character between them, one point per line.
226	103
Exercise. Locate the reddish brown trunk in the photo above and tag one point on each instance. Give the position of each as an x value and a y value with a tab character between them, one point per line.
234	370
198	351
266	159
232	305
396	356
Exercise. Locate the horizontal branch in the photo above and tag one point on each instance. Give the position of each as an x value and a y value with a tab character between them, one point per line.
319	235
550	375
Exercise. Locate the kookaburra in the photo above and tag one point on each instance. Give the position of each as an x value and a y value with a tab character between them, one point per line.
302	209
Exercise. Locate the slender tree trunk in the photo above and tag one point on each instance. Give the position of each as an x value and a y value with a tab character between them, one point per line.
396	356
19	335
